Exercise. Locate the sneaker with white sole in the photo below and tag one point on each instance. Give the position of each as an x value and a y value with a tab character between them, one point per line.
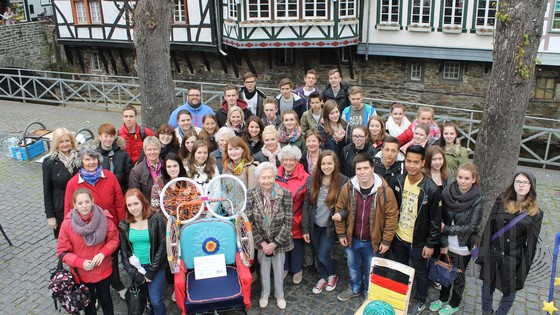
347	294
436	306
281	303
448	310
263	302
173	298
416	307
331	283
122	294
321	284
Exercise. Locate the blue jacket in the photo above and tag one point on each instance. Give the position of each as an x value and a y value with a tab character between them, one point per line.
197	114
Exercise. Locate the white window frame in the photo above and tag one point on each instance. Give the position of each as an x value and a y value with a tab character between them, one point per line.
455	6
315	8
288	9
452	70
94	12
541	88
555	18
420	5
259	12
390	5
483	16
96	64
347	9
416	72
179	12
232	9
81	13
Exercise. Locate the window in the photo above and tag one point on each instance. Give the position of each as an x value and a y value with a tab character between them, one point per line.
258	9
87	12
232	9
347	9
287	9
452	70
416	72
486	13
315	9
95	61
390	11
180	13
453	12
544	89
285	56
421	12
556	16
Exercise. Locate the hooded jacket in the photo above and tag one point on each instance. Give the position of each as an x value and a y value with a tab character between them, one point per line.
296	185
349	152
389	174
134	141
221	114
341	98
427	227
196	112
299	104
383	211
117	161
260	98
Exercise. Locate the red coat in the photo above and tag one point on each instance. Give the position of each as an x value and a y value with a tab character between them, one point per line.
134	141
73	243
296	185
106	193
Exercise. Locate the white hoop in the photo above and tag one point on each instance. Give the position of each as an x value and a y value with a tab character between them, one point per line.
226	194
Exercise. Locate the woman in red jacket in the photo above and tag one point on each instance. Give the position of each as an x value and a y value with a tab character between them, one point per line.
292	176
89	237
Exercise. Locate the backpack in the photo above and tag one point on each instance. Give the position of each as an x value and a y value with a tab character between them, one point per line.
72	297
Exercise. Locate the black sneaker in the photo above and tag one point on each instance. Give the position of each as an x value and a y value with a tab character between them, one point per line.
416	307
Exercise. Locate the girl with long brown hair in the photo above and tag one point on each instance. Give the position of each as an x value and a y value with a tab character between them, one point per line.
333	129
200	166
436	166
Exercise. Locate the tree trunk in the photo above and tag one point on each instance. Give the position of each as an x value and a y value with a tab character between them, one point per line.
519	26
152	27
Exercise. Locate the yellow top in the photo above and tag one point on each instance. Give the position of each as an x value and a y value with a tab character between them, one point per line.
408	211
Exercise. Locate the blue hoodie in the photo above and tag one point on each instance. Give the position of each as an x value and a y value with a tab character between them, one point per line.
197	114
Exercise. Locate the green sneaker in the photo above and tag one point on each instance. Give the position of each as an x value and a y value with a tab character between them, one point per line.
436	305
448	310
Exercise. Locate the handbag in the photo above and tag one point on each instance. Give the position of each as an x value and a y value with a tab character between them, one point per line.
476	251
73	297
136	299
442	272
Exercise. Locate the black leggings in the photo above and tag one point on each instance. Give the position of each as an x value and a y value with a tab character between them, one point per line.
100	290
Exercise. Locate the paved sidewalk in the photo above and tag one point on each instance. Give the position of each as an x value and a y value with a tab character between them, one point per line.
24	268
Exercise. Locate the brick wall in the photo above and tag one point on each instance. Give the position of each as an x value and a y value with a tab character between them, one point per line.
27	45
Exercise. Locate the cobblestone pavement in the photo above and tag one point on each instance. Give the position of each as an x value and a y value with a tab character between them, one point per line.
24	267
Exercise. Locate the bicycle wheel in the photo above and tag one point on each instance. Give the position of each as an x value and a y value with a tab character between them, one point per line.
182	198
227	195
245	242
173	245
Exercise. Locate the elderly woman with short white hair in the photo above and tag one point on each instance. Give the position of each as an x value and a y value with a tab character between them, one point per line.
145	173
222	137
292	176
269	209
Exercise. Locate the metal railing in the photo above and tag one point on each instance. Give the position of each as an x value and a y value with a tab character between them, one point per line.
540	143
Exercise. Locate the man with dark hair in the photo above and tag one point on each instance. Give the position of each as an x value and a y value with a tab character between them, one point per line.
194	105
312	117
419	226
231	98
251	95
336	90
365	221
132	133
389	161
288	100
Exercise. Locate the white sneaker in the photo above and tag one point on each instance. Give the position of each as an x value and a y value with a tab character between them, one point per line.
263	302
122	294
281	303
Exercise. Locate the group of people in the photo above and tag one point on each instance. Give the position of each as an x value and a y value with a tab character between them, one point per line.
320	167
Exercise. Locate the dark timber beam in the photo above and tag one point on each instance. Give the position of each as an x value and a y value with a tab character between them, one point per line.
223	62
175	62
80	59
270	61
103	59
231	57
249	63
338	59
206	62
112	60
123	61
351	61
189	63
306	65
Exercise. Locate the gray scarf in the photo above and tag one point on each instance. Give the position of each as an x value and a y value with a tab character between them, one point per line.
93	232
455	200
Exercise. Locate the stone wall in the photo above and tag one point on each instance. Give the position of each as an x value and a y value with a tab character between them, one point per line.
28	45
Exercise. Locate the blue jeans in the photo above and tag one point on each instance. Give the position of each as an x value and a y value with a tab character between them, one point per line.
323	246
358	255
294	258
401	252
155	292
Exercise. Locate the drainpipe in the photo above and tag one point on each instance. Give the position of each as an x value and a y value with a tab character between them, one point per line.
367	29
219	27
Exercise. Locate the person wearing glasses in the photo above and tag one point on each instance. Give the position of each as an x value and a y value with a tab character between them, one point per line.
506	260
195	106
360	144
253	96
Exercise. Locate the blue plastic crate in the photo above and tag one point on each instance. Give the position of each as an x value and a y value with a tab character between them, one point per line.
34	150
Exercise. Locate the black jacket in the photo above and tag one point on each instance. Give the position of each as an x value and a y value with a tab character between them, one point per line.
55	178
466	223
308	215
341	98
427	226
260	98
349	152
117	161
389	174
158	250
299	105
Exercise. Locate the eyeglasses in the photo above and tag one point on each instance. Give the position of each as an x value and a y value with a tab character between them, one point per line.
358	137
522	182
